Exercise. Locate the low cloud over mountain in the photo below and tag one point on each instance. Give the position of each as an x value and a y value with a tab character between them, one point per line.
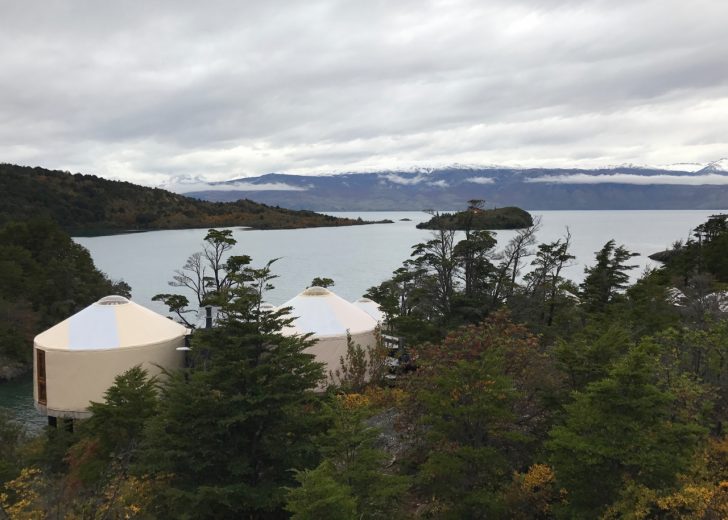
621	187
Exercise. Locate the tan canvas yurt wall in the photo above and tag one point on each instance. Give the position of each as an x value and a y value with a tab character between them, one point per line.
328	317
76	361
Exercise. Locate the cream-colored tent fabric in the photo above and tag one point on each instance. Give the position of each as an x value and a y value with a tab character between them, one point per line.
324	313
371	308
84	353
112	322
328	317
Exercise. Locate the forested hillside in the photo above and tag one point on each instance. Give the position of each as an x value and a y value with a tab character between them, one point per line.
44	278
86	204
520	397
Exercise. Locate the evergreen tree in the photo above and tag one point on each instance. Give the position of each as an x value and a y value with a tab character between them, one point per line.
623	427
321	495
436	257
324	282
230	428
355	465
106	446
544	282
608	277
119	421
591	354
469	427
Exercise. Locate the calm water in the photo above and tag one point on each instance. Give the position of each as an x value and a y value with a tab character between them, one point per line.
356	258
361	256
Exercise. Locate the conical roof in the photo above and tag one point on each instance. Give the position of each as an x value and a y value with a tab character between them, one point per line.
323	313
112	322
371	308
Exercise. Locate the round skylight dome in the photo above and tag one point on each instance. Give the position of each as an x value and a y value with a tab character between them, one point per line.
316	291
114	299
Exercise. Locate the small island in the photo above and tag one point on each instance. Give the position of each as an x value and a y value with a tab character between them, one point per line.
478	218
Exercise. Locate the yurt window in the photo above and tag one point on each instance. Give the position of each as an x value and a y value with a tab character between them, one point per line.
41	368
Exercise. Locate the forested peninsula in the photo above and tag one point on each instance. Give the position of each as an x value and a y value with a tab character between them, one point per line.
87	205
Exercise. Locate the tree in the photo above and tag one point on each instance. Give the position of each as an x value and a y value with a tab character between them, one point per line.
472	255
544	282
623	427
320	495
322	282
518	248
360	366
436	257
471	252
230	428
207	275
517	354
607	278
407	301
469	420
478	397
591	354
119	421
354	464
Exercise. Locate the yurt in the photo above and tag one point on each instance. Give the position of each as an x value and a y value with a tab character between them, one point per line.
76	361
371	308
328	316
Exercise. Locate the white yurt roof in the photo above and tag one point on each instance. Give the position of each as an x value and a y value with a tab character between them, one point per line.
371	308
323	313
110	323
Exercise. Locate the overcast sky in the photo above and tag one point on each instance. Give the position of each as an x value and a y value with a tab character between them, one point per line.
143	91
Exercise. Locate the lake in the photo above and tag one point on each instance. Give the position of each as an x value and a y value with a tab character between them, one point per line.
356	258
359	257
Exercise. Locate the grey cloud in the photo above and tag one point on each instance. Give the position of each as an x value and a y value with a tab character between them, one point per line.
626	178
151	90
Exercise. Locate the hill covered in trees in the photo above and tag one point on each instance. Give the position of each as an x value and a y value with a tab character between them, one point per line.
86	204
44	278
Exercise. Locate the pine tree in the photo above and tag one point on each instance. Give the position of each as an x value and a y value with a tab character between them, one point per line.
119	421
321	495
470	429
608	277
354	464
230	428
620	428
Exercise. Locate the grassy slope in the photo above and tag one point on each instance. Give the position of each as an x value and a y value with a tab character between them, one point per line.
86	204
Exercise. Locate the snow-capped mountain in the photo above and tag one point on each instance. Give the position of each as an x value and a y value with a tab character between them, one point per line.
719	166
628	186
682	167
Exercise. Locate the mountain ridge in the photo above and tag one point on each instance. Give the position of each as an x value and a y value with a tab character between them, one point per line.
612	187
